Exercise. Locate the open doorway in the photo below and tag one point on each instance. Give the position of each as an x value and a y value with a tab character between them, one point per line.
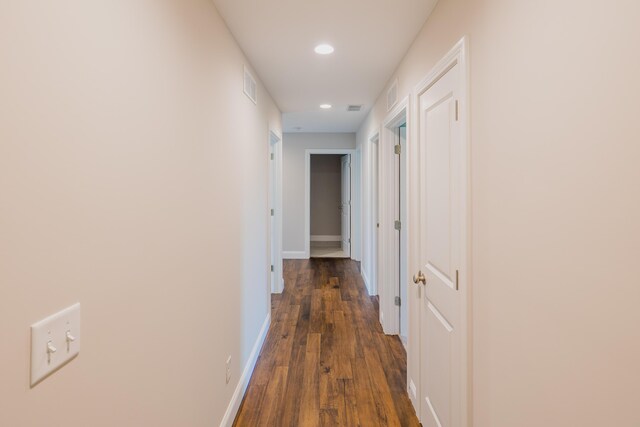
348	245
330	205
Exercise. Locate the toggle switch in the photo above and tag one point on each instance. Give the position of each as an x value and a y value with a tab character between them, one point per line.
50	350
70	339
54	342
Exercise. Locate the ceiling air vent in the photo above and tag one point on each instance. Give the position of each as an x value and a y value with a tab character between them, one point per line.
354	108
250	87
392	95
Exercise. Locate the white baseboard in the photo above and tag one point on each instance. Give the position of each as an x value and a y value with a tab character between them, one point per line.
326	238
368	284
403	340
366	281
281	288
294	255
238	394
412	392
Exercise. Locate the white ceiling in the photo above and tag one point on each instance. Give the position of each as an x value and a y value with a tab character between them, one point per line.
370	38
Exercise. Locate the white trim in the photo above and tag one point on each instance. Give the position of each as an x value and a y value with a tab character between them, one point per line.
307	190
356	205
372	218
390	269
275	200
243	382
412	390
320	238
457	55
365	279
295	255
404	341
398	115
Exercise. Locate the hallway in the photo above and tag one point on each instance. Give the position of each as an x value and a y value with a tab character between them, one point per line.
466	257
325	360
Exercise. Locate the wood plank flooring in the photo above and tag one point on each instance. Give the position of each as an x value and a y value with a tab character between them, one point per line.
326	361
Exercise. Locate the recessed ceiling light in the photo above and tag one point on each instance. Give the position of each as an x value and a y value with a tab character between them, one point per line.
324	49
325	106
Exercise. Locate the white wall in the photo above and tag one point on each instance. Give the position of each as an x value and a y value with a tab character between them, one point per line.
294	146
133	178
555	203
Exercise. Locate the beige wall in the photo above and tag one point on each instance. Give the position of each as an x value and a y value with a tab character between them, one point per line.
326	195
133	178
555	152
293	186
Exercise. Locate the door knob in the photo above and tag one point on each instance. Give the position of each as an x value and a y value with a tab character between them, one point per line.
420	278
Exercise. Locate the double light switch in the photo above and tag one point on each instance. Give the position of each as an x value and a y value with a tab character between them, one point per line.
54	341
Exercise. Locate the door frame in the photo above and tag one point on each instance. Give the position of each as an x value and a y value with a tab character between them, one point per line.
457	55
275	203
390	268
307	193
371	216
345	228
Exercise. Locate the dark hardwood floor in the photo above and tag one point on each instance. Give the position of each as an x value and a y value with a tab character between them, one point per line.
325	361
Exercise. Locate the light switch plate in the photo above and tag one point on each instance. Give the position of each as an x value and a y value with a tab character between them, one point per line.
59	332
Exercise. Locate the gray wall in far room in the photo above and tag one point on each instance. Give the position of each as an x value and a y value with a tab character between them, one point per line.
326	192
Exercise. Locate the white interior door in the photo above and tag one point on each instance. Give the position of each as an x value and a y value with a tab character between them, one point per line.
345	206
441	216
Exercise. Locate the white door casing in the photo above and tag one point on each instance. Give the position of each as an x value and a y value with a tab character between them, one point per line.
374	215
275	212
345	205
402	238
392	244
272	218
442	249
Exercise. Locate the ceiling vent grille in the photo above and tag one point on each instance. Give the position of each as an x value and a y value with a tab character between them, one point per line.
354	108
392	95
250	86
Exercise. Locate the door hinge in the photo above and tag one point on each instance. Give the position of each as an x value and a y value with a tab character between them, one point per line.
397	225
272	212
457	280
397	149
271	156
397	301
349	239
457	114
272	268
